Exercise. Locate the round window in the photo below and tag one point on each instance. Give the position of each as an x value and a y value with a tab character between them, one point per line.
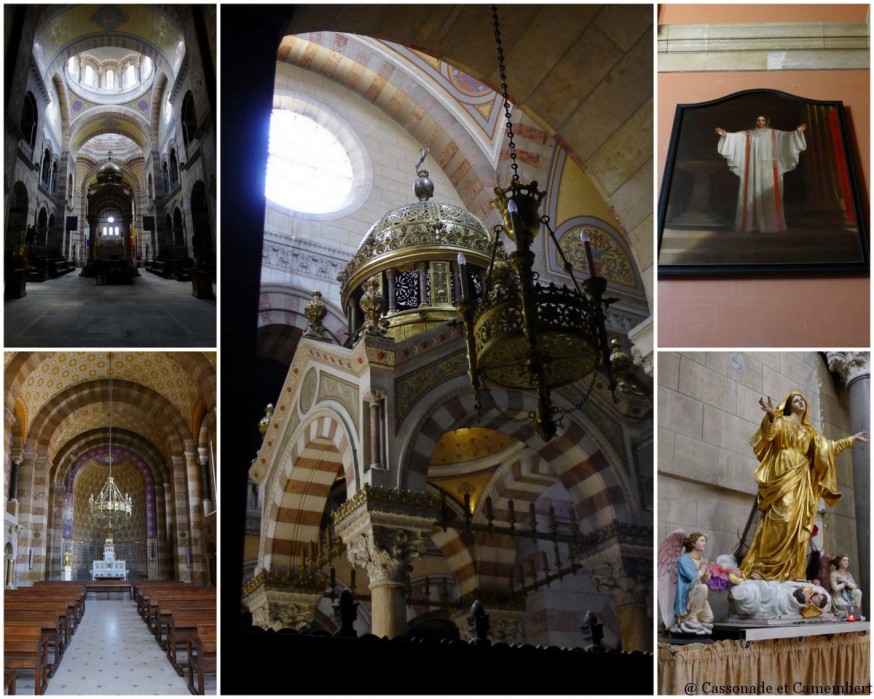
308	170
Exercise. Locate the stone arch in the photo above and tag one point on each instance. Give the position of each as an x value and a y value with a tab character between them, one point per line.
295	494
16	219
284	307
594	149
594	479
189	119
178	226
29	123
201	239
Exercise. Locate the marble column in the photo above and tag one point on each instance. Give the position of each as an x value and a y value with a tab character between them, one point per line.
854	368
384	530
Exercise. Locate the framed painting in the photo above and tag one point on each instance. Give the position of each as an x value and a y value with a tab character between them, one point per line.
761	182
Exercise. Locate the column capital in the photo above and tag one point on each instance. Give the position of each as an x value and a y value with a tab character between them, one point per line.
850	366
374	395
277	606
384	530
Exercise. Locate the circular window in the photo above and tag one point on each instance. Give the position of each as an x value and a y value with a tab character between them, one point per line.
308	169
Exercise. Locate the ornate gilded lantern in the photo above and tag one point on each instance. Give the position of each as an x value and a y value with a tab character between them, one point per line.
404	278
522	334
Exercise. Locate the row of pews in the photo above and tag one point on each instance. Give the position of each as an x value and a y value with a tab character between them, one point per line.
38	624
178	268
182	617
47	263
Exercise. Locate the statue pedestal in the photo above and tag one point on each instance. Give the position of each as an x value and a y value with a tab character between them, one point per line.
68	573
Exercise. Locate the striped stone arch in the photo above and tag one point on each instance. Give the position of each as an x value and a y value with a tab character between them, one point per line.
297	489
333	55
285	307
594	479
485	562
142	398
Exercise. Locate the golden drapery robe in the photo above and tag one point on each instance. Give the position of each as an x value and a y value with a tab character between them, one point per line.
796	469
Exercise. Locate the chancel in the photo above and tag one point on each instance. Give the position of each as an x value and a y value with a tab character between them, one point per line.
110	515
455	442
111	180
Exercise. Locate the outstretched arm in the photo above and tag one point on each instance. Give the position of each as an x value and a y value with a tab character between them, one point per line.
862	436
721	131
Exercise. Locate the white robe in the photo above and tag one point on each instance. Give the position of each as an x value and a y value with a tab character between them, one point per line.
759	157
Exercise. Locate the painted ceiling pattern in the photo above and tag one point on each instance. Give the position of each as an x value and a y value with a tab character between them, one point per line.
158	398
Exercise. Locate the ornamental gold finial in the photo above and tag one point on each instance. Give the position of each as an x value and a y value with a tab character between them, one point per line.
265	421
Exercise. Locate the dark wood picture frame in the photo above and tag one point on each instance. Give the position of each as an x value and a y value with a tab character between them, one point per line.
709	223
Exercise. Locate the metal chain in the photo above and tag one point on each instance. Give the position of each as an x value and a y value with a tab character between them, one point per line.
503	74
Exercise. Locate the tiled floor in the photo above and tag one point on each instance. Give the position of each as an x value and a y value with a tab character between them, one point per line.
73	311
112	652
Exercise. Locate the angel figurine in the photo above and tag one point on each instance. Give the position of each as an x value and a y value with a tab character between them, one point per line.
683	575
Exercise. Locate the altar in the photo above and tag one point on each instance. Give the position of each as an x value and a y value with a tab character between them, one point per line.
109	567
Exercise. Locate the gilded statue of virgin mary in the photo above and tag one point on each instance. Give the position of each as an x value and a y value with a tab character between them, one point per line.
796	470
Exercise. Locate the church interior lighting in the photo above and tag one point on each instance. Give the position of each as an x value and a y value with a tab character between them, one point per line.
520	333
110	505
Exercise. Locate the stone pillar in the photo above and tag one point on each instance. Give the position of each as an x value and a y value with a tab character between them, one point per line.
195	516
182	544
162	494
203	458
375	397
622	566
13	474
384	530
854	368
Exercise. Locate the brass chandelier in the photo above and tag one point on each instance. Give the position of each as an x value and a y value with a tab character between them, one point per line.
522	334
110	506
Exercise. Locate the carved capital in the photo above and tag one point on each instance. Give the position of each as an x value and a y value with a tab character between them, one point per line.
850	366
374	396
384	530
275	607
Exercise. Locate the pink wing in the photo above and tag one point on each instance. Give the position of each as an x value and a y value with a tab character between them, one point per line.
669	554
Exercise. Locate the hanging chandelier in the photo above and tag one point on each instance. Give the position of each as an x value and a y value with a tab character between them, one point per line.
522	334
110	506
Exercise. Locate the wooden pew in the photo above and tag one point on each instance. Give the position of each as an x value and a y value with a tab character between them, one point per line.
161	611
71	605
201	656
9	682
183	626
107	586
53	626
145	598
27	649
66	613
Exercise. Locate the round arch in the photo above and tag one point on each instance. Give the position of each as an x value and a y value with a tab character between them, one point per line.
296	492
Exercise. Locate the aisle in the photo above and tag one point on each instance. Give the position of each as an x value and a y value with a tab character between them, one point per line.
112	652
